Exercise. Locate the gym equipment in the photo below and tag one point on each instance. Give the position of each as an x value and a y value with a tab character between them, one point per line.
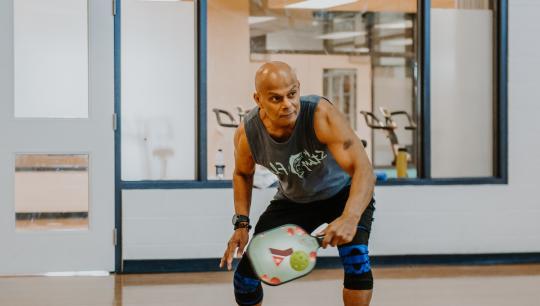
388	126
283	254
232	122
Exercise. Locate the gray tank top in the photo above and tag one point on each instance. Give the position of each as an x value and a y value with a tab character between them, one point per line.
306	170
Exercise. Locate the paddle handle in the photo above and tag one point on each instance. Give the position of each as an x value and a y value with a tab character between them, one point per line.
319	240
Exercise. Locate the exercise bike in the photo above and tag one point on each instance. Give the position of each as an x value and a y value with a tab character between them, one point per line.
231	121
389	126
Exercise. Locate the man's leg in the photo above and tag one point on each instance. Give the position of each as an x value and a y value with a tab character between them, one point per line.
356	297
247	286
358	278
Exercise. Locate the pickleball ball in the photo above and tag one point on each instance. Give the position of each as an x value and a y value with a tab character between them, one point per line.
299	261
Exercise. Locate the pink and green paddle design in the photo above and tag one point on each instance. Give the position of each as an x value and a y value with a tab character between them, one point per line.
283	254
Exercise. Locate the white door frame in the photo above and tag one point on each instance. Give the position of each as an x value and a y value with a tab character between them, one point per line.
36	252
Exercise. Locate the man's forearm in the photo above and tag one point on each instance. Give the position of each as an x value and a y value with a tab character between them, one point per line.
362	185
242	185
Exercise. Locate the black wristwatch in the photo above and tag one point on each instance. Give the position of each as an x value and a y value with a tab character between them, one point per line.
240	221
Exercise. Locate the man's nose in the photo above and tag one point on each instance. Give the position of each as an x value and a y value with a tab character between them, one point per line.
287	103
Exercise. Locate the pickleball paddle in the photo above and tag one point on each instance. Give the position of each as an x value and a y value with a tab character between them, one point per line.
283	254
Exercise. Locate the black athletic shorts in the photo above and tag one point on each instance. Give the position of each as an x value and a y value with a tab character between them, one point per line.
310	216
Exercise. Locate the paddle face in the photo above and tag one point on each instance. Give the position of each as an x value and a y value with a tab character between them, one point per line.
282	254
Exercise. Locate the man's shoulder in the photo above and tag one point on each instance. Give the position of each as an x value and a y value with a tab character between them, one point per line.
311	99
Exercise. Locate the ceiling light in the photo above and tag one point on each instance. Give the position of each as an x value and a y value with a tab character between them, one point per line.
341	35
397	42
407	24
259	19
352	49
363	50
317	4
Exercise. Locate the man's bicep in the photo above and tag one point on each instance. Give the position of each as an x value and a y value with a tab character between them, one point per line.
334	130
244	163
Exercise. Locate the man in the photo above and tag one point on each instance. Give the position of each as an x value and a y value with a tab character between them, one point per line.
324	177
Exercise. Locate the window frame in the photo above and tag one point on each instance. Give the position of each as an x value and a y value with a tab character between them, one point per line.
500	110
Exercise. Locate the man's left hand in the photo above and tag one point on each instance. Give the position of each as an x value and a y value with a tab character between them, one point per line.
340	231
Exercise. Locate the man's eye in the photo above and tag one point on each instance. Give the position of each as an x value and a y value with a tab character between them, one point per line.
292	94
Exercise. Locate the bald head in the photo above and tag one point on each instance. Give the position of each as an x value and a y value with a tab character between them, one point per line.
274	75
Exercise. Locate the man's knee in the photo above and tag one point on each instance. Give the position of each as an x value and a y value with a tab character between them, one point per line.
357	267
247	291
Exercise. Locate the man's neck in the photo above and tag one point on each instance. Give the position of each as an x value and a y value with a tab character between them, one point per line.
278	133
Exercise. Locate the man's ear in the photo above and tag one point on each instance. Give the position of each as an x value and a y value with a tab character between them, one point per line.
257	98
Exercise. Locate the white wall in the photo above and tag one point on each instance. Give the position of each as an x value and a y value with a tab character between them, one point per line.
409	219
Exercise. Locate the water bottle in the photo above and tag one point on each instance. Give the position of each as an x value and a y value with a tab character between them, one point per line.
220	164
401	163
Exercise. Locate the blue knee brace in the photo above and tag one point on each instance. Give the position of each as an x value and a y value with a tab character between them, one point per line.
247	291
357	268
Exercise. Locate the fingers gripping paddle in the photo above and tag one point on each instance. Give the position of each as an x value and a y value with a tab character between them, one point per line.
283	254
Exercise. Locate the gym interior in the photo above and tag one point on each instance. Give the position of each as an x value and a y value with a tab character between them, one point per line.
117	153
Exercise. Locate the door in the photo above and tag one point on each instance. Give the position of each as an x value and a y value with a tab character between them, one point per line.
56	136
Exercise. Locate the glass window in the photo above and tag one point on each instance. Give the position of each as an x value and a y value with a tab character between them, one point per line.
395	109
51	58
51	191
158	90
361	54
462	99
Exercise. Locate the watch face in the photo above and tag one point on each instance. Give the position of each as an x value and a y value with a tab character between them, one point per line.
239	218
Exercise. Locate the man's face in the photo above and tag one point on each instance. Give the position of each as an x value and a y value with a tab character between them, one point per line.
281	103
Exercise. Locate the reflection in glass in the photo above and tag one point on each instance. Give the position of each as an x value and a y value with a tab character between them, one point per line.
339	86
51	192
362	54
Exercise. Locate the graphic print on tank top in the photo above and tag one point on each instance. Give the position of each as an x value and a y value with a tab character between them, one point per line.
305	168
300	164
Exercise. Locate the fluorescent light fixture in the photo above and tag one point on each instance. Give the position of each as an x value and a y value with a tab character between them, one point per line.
341	35
317	4
363	50
407	24
259	19
352	49
397	42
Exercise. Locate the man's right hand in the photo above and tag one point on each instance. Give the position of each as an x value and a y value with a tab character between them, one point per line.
238	241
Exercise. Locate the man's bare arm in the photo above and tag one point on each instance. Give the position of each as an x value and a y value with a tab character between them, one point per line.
243	172
333	129
242	184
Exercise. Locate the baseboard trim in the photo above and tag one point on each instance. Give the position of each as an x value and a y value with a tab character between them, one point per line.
211	264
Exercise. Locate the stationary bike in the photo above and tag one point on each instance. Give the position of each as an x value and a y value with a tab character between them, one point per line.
231	121
389	126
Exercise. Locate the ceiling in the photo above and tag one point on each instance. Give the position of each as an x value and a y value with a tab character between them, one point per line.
404	6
